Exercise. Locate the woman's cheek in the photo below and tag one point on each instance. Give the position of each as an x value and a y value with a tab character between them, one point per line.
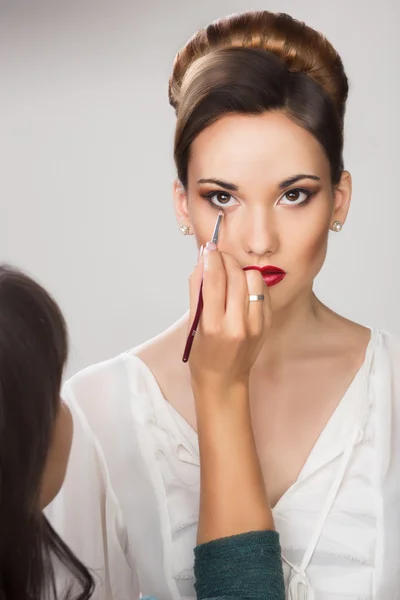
203	223
311	250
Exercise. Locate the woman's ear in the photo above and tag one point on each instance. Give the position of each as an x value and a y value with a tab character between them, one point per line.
181	207
342	198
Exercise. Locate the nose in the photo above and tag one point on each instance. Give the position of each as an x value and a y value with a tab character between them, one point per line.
260	232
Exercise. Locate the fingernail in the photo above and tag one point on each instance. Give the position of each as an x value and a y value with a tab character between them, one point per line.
211	246
206	256
200	253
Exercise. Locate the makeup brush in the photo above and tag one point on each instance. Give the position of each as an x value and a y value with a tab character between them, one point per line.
196	320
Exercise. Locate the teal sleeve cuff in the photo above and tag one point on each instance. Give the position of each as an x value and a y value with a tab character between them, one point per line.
241	567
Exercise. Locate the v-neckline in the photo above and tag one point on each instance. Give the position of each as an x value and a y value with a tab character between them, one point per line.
336	433
322	452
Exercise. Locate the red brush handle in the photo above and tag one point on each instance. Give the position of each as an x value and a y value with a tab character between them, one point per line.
194	326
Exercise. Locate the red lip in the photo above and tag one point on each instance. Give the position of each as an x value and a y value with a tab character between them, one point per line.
271	275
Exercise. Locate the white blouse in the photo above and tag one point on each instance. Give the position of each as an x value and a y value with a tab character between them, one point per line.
129	504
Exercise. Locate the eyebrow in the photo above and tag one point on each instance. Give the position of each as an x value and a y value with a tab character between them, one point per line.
224	184
231	187
291	180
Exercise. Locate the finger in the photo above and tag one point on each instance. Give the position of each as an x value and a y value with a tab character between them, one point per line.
194	288
255	286
214	290
236	293
267	308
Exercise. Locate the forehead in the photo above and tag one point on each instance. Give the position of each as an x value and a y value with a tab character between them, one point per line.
248	147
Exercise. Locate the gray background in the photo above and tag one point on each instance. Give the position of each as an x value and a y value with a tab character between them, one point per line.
86	160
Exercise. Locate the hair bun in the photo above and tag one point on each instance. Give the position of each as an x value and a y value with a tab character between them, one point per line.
300	47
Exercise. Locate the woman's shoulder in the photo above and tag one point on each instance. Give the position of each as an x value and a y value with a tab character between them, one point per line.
384	374
387	345
113	374
111	391
391	339
133	371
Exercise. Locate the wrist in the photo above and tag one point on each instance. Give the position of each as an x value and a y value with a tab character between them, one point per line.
217	384
217	403
220	392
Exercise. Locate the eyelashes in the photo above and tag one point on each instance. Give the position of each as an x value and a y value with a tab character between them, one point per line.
296	201
293	197
226	203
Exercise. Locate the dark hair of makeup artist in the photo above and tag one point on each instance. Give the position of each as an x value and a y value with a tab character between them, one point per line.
33	351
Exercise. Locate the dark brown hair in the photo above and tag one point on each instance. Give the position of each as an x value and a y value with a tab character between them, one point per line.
255	62
33	351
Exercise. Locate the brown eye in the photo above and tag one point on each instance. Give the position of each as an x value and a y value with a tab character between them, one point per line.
295	197
222	197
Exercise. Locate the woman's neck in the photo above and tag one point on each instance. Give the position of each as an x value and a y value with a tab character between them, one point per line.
293	327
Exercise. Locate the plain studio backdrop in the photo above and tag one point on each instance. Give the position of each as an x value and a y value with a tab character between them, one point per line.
86	136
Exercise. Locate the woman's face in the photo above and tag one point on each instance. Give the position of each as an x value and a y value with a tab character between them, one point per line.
272	180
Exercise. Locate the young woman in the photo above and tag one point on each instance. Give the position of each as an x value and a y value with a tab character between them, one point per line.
260	102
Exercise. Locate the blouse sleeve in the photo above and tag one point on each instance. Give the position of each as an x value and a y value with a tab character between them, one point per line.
87	515
386	385
241	567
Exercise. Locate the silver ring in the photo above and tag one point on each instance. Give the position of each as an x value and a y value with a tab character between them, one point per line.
256	298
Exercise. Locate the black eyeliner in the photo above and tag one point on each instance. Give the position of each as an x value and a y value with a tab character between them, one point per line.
209	195
308	193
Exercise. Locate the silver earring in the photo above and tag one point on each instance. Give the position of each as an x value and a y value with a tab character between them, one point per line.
184	229
337	226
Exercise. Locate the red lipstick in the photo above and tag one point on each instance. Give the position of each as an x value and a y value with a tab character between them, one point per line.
271	275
